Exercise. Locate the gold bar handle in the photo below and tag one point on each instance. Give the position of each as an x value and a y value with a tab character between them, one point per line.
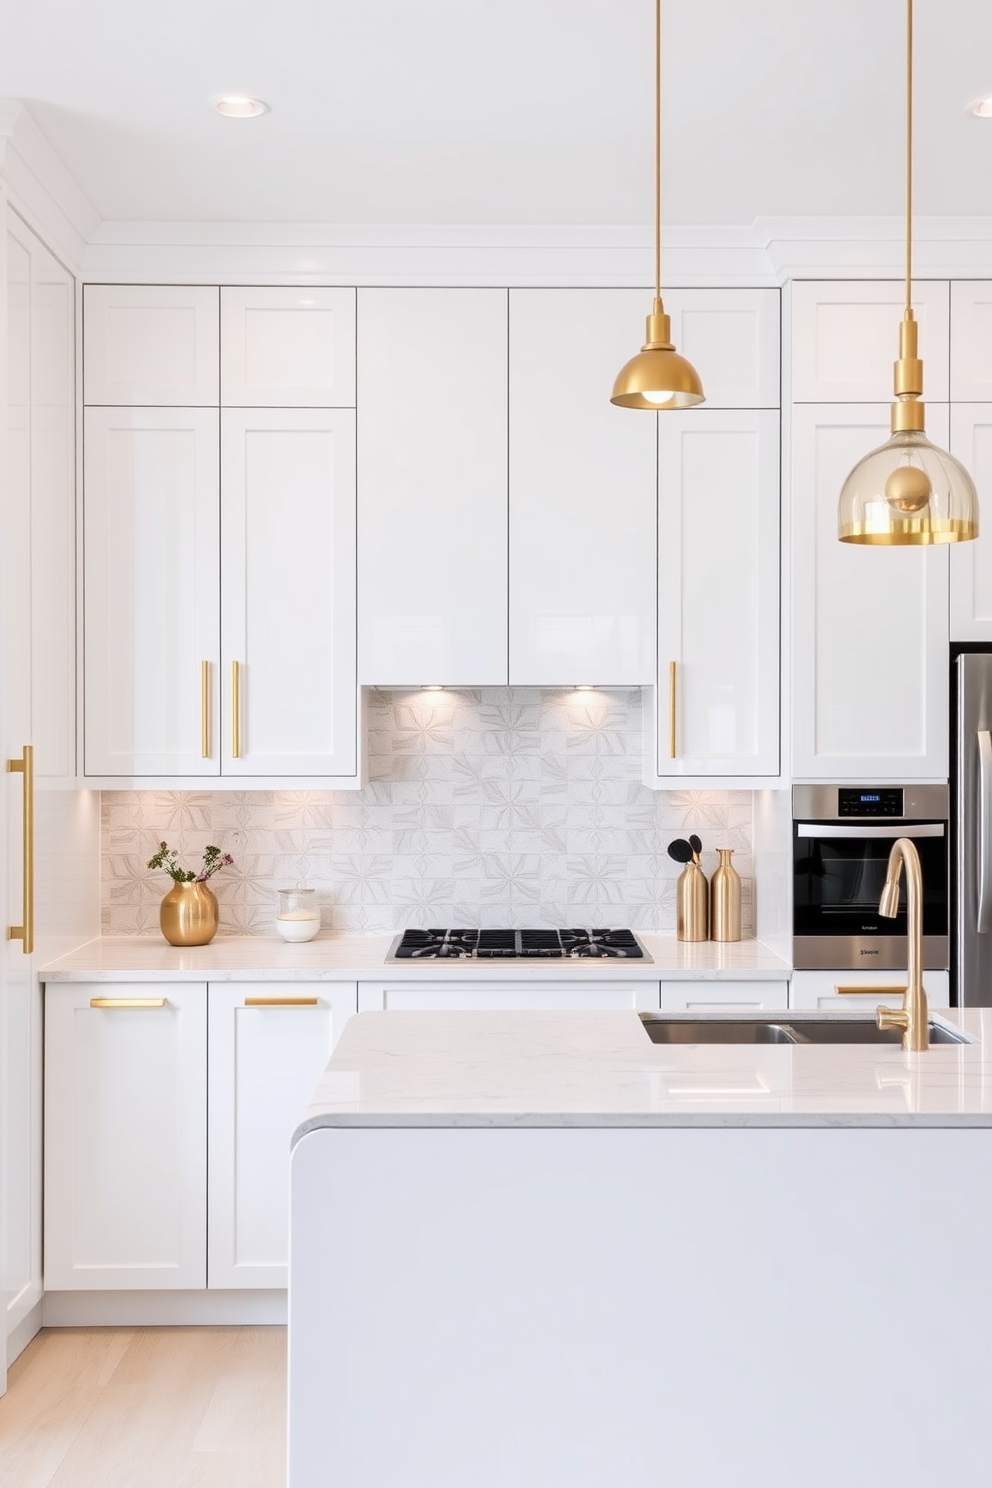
127	1002
281	1001
205	709
235	710
870	991
672	668
25	932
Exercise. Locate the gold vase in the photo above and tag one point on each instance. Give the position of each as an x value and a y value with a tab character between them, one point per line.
690	900
725	898
188	915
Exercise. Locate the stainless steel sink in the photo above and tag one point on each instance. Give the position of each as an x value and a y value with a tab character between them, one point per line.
782	1030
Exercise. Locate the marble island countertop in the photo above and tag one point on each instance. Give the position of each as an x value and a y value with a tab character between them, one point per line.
589	1069
363	958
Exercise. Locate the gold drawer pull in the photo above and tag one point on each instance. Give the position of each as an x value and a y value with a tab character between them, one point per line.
127	1002
672	665
235	710
205	709
870	991
25	931
281	1001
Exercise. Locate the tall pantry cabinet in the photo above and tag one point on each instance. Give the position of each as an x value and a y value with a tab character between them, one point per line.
49	868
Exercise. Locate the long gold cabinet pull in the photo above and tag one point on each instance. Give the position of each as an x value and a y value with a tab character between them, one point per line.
672	694
205	709
281	1002
25	931
127	1002
235	710
870	991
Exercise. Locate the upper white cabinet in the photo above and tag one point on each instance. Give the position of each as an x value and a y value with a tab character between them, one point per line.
718	594
845	338
971	562
869	677
284	348
151	345
432	538
151	592
732	338
582	493
288	592
971	341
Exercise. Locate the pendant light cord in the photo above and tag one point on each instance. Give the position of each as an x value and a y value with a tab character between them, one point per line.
909	152
657	149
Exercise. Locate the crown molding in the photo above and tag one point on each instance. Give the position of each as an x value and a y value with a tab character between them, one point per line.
41	188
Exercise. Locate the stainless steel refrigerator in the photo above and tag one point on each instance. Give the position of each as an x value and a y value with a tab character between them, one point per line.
971	901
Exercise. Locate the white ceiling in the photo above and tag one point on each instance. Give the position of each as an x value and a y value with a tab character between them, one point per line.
503	111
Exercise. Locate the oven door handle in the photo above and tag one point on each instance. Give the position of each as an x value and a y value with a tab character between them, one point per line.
921	829
983	919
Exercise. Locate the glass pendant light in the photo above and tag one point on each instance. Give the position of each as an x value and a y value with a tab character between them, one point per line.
908	492
657	377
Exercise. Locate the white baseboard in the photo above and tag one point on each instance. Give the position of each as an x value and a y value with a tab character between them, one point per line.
20	1336
161	1309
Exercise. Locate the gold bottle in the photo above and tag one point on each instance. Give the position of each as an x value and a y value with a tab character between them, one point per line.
691	893
725	898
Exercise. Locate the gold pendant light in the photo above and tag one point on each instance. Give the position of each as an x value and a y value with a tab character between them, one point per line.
908	492
657	377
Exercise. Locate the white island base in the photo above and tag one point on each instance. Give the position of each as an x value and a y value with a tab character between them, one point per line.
641	1308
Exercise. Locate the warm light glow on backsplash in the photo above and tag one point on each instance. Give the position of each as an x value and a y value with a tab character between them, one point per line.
499	806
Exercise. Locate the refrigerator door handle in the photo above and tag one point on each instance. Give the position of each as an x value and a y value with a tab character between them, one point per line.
983	923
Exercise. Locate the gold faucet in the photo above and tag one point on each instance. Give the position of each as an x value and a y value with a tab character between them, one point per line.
912	1018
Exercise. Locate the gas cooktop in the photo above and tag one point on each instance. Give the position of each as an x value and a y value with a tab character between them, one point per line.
490	945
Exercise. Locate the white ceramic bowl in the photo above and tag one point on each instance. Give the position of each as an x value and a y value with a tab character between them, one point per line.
297	930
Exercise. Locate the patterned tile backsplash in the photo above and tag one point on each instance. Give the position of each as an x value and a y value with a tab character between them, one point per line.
501	806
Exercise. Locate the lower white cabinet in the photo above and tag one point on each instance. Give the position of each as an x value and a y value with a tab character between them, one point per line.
505	997
269	1043
131	1194
823	989
717	994
125	1136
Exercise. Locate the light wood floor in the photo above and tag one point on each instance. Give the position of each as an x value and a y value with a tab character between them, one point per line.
146	1408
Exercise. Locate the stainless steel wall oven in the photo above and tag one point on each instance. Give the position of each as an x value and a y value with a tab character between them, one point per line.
841	837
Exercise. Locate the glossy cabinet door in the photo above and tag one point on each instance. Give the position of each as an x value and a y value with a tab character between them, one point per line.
707	995
869	677
447	997
582	493
125	1136
971	562
732	338
826	989
971	341
151	592
432	453
845	338
269	1044
289	695
287	348
718	594
151	345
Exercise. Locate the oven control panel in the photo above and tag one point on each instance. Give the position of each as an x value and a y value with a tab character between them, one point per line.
878	802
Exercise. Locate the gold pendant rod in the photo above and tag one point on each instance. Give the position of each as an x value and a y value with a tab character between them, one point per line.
657	149
909	152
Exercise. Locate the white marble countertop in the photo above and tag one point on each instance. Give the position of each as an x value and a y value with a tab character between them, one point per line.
130	958
600	1069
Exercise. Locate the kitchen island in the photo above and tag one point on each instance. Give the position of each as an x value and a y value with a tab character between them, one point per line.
536	1250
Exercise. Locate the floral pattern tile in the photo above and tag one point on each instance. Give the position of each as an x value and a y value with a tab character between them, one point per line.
500	806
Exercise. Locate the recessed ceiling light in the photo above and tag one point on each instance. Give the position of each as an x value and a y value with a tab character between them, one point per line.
239	106
982	109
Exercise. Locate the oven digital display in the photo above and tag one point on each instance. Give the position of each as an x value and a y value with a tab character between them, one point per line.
851	802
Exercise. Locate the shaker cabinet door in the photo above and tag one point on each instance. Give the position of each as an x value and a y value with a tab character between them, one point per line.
287	348
151	345
971	562
845	337
289	693
151	581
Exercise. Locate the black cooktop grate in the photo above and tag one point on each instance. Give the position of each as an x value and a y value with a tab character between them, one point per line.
484	945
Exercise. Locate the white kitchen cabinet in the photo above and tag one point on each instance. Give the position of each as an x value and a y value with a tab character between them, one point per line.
432	441
870	635
717	993
718	596
269	1043
971	340
152	345
288	593
125	1136
582	493
732	338
151	592
480	996
821	989
845	338
971	562
286	348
